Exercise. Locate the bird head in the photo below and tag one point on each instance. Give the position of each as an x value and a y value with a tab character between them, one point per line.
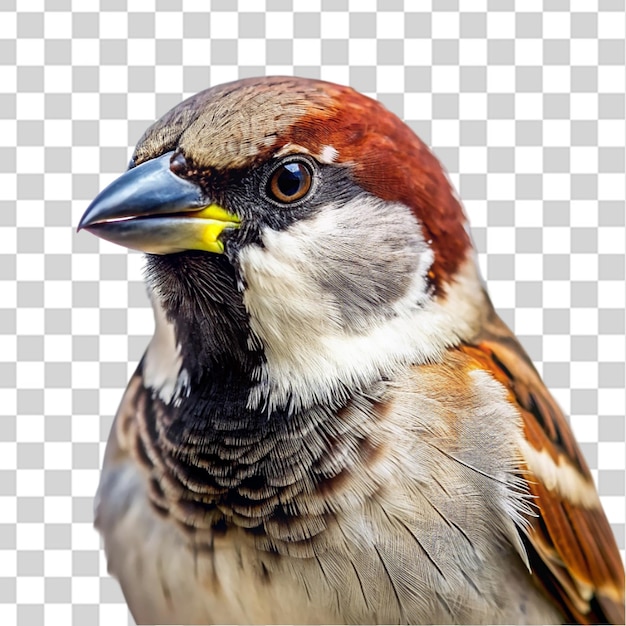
299	236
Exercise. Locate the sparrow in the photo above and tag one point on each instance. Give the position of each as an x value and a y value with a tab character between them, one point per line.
331	424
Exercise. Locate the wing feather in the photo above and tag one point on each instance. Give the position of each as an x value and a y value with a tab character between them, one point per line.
572	550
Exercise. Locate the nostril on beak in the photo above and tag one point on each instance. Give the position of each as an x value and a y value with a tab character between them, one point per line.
178	164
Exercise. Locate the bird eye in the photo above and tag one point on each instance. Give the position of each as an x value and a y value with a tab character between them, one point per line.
290	182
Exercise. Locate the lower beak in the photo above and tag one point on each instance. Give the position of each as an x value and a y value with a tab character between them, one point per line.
151	209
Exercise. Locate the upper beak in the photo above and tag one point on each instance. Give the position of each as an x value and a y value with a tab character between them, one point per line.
151	209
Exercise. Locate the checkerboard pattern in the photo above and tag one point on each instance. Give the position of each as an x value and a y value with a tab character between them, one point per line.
523	102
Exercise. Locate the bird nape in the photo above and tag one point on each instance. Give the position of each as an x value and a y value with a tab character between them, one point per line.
330	424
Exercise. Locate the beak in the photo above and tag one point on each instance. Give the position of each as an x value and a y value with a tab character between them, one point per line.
151	209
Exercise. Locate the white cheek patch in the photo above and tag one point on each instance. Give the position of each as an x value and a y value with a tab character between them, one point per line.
162	366
418	292
310	356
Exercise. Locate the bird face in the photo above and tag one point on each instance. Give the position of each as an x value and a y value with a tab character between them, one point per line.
299	231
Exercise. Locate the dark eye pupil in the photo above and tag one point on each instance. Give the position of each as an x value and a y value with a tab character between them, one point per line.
290	180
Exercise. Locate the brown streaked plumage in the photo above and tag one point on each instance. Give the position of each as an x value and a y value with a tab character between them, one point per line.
571	539
331	424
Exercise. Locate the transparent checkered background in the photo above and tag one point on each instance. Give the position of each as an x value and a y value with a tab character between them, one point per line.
523	102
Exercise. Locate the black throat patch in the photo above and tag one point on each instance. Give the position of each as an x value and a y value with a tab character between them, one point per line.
199	294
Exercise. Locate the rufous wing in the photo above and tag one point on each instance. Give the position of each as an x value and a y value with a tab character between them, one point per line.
571	547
